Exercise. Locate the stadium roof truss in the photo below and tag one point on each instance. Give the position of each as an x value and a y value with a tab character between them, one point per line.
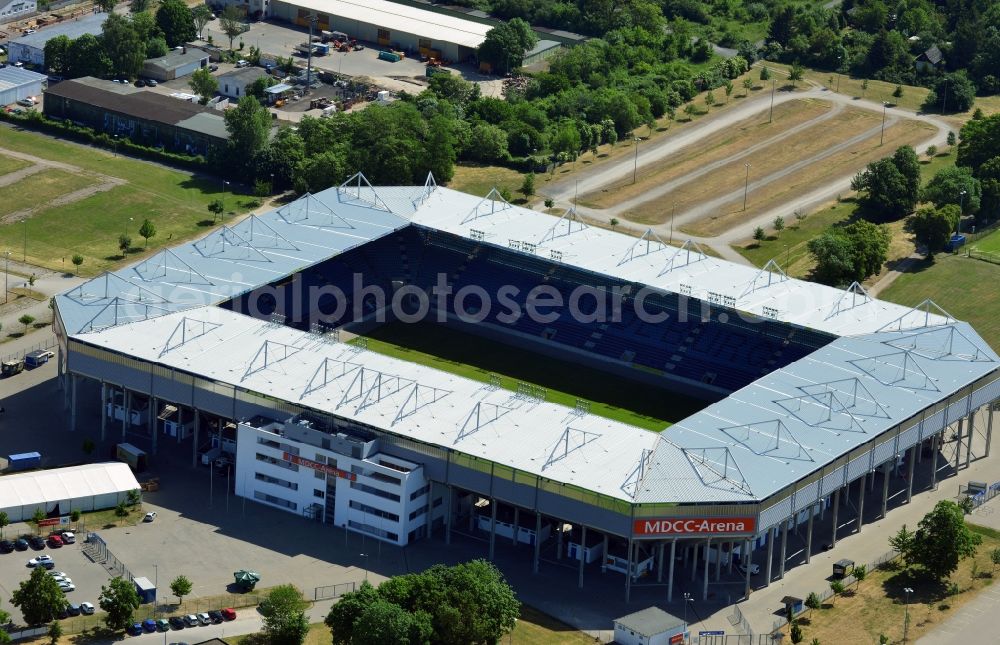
885	367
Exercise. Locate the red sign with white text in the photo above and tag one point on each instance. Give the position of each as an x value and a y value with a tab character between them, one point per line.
694	525
315	465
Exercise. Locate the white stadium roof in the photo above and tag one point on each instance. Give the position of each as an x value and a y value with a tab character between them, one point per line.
889	362
400	17
42	487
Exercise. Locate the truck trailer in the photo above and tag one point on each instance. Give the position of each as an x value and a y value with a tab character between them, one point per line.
135	458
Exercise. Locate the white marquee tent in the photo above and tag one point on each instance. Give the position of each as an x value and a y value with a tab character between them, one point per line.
89	487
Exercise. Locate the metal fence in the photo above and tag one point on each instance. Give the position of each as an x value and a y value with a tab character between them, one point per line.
48	344
980	498
985	256
97	550
740	621
332	591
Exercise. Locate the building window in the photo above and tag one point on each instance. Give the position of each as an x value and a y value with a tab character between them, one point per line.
420	491
270	443
277	501
417	513
424	43
366	528
377	512
383	34
375	491
267	459
318	493
261	477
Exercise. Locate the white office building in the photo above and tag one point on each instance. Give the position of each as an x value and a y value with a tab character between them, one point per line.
336	475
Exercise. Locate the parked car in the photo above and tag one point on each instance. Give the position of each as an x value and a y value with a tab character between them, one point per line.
26	102
754	569
39	559
6	546
74	609
149	625
68	537
228	614
242	63
86	608
162	625
150	516
213	67
191	620
140	83
55	542
135	629
21	544
28	32
150	82
215	616
176	622
58	574
61	579
37	542
66	586
203	619
64	612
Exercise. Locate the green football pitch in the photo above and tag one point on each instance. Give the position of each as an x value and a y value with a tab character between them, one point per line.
477	358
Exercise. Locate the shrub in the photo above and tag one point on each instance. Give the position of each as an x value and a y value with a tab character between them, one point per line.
812	600
931	151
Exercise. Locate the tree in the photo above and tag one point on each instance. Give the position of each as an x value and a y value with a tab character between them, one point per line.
107	6
864	87
201	15
133	497
728	86
891	186
284	615
931	228
74	515
57	55
765	74
505	45
860	572
249	125
758	234
849	253
812	600
55	632
980	143
215	207
123	46
147	230
796	73
121	511
796	633
124	243
204	84
709	99
4	522
77	260
39	598
119	599
26	320
384	622
898	92
951	139
528	185
951	93
176	22
902	543
779	223
87	57
549	203
37	517
139	6
954	185
488	143
747	86
231	24
180	587
837	587
256	89
942	540
995	558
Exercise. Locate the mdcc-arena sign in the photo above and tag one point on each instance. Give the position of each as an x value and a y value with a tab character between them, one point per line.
695	526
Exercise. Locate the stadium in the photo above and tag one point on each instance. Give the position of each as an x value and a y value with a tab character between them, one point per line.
503	408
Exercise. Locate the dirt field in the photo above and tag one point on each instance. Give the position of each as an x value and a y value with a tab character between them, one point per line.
713	149
801	180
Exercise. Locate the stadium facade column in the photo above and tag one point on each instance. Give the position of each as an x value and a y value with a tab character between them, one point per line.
197	430
718	563
989	427
968	443
538	542
104	409
628	571
958	443
836	511
934	461
517	523
732	549
771	534
694	562
580	553
809	533
659	563
151	420
449	509
704	585
784	547
910	465
670	570
73	379
559	539
493	527
886	469
861	501
127	403
748	545
604	568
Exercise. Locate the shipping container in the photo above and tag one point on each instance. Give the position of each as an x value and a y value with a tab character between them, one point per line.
24	461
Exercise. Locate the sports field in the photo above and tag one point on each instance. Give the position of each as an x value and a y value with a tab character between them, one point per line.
59	198
989	243
476	358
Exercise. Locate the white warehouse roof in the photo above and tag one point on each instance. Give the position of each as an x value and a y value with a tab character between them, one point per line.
42	487
399	17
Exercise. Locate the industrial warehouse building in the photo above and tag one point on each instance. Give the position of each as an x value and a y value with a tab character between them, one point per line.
30	49
17	83
176	64
11	10
813	396
91	487
144	116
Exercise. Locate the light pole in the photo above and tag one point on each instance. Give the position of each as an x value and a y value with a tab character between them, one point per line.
635	165
673	209
6	272
272	183
125	236
224	184
156	585
770	115
746	186
961	211
944	100
687	599
906	611
365	556
881	138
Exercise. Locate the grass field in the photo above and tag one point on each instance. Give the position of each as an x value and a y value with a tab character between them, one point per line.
876	607
989	243
788	247
174	200
913	97
474	357
10	164
964	287
39	188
